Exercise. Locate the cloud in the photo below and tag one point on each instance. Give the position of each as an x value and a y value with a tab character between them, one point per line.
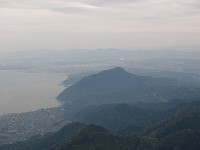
99	21
145	8
110	2
51	4
127	11
68	7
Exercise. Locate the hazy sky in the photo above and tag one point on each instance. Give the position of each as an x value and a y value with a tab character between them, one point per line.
88	24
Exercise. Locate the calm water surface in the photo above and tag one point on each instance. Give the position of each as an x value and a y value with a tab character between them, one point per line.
23	91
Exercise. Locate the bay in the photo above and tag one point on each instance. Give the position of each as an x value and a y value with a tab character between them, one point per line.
27	91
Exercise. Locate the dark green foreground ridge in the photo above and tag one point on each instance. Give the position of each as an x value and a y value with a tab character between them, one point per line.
179	131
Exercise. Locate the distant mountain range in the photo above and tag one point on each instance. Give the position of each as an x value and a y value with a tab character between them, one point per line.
102	54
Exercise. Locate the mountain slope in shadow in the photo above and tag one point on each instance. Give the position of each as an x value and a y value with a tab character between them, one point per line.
117	85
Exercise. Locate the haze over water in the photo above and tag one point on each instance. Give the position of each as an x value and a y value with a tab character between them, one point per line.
23	91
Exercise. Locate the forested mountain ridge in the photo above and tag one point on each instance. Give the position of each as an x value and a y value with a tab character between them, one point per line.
185	118
119	117
92	137
179	130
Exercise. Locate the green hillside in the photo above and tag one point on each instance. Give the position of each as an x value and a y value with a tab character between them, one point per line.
119	118
96	138
185	118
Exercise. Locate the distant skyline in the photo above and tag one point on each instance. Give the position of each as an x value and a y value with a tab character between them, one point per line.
93	24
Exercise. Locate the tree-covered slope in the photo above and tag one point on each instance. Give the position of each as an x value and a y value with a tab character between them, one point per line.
77	136
96	138
186	117
182	140
119	118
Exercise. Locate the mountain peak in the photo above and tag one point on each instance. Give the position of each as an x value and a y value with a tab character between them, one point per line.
94	128
117	70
